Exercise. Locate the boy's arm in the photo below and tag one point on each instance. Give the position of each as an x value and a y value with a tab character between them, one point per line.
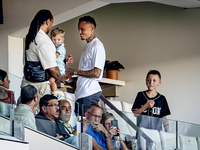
166	124
148	104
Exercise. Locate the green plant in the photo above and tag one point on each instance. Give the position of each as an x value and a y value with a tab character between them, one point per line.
113	65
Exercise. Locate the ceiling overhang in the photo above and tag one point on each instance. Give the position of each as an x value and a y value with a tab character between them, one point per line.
95	4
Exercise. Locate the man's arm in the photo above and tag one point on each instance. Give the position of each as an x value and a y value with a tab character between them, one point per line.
94	73
85	125
55	72
96	146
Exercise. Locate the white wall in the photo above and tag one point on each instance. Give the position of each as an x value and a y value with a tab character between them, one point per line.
144	36
15	55
41	142
10	145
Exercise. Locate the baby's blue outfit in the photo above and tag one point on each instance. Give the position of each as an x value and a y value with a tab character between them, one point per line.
60	59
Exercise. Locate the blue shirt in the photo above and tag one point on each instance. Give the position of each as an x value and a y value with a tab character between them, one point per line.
100	139
115	145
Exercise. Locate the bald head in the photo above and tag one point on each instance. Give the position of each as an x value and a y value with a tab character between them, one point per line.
65	110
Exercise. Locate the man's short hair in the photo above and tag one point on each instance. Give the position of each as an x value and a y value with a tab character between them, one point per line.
28	93
44	100
88	19
154	72
89	108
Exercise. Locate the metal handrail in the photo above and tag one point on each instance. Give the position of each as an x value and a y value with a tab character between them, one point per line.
132	124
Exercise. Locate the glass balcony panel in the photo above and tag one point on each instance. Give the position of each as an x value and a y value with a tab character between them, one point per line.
149	129
15	85
189	135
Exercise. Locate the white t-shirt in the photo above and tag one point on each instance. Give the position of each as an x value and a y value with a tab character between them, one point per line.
93	56
44	51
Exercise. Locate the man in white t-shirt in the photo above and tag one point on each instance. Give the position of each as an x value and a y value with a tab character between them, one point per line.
91	65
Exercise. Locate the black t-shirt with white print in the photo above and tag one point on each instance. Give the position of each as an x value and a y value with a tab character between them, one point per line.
160	109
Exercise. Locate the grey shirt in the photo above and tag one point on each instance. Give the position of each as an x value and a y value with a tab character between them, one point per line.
24	114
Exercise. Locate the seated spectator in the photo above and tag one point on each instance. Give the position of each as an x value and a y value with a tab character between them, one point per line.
49	111
92	126
106	121
5	96
46	120
63	122
25	111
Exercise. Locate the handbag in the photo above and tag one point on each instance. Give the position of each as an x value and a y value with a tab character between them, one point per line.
34	72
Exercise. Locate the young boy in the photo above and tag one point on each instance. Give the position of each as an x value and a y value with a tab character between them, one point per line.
151	103
57	37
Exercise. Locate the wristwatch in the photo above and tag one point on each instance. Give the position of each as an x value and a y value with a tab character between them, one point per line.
75	72
107	136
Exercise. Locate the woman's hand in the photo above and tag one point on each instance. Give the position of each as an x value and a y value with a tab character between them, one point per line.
118	131
112	131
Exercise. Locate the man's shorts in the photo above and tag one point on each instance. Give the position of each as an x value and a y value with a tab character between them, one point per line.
83	104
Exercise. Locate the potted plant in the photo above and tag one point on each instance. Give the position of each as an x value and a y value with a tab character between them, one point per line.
112	68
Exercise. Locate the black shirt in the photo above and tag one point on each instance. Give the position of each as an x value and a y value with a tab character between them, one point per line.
160	109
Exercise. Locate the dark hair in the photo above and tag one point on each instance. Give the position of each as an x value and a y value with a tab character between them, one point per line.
155	72
89	108
3	74
28	93
44	100
88	19
42	16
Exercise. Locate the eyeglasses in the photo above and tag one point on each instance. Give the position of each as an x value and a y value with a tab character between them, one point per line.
54	105
99	117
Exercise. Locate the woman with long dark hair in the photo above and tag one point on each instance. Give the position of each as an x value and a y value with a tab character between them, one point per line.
40	58
40	18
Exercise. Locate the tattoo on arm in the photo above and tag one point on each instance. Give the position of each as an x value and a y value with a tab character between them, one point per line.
63	78
94	73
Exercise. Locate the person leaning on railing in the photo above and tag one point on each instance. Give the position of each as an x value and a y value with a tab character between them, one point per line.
6	96
151	103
